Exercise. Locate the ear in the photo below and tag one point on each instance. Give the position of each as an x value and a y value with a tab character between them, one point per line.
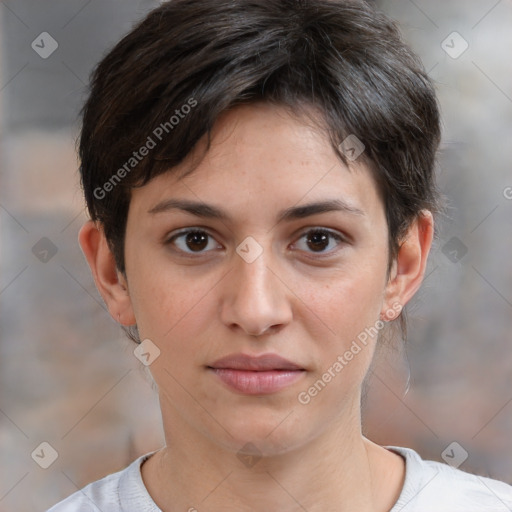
409	266
111	283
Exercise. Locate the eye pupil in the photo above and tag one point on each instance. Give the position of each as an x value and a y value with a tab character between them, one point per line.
319	240
194	237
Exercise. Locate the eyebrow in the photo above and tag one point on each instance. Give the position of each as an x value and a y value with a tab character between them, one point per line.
210	211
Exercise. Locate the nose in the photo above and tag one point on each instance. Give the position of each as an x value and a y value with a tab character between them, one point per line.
256	299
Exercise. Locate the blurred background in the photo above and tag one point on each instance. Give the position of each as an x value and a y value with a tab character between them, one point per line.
69	377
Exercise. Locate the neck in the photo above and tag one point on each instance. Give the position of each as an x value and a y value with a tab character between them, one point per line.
339	469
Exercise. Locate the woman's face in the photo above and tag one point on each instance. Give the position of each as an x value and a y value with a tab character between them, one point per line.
310	288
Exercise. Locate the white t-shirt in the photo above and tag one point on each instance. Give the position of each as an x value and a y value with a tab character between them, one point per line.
429	487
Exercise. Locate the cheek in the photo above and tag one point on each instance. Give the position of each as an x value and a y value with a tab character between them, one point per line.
350	308
173	305
166	305
349	305
349	302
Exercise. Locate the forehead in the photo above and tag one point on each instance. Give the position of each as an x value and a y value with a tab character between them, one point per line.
262	159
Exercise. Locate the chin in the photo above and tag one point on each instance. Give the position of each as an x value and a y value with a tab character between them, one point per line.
263	432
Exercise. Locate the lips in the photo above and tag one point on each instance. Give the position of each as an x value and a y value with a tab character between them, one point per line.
262	363
249	375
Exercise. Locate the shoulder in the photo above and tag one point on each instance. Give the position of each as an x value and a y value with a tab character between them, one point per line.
117	492
431	485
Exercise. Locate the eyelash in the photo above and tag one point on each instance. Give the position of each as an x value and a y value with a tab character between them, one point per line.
339	238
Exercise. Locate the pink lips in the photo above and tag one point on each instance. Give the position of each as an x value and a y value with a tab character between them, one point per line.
250	375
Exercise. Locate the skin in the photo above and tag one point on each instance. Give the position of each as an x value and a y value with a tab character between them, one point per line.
288	301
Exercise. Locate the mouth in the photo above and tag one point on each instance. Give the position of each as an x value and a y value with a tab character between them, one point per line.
251	375
262	363
261	382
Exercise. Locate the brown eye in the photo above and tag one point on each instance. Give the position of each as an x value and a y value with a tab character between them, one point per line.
193	241
320	241
196	241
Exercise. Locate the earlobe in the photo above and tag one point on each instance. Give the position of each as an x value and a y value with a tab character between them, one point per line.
110	283
409	267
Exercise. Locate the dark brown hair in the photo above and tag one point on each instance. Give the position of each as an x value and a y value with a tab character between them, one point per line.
163	86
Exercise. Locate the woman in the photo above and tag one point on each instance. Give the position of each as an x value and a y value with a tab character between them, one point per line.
260	182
